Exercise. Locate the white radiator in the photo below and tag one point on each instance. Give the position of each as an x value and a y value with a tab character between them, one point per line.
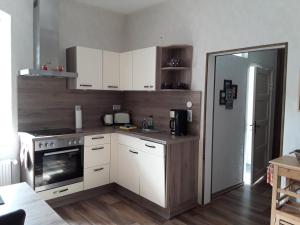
7	171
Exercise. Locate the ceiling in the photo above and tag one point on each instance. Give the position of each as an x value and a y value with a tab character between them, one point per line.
122	6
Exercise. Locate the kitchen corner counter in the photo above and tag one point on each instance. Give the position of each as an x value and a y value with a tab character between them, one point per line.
159	137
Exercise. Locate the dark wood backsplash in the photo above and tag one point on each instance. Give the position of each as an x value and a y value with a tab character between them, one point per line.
45	103
158	104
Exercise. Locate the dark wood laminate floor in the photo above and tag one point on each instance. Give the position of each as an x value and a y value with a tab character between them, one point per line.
243	206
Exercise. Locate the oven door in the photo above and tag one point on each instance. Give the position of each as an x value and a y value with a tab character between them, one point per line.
58	167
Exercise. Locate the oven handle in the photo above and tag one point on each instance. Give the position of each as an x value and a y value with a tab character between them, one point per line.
61	152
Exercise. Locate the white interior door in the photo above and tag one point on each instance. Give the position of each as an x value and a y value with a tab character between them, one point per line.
261	122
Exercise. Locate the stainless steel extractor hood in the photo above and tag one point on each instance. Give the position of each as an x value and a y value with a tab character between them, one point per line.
36	70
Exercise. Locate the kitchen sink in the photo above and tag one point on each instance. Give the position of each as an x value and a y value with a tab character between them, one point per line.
145	130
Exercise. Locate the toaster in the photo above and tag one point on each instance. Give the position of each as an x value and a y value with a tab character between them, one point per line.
121	118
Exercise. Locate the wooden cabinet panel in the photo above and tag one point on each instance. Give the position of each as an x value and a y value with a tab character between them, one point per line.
126	71
144	69
111	70
128	168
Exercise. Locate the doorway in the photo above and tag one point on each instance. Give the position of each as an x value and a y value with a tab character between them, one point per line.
245	92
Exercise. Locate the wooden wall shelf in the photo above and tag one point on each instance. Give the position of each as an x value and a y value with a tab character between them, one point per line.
177	77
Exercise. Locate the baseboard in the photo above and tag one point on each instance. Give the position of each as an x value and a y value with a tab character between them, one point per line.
220	193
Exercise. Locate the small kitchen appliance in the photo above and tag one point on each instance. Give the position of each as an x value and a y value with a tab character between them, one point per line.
108	119
178	122
121	118
51	158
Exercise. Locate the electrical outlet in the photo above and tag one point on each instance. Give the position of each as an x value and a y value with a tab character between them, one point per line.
116	107
190	115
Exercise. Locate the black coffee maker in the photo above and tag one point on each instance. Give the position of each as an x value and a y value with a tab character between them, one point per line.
178	122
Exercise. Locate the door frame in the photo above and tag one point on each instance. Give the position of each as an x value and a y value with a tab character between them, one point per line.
209	109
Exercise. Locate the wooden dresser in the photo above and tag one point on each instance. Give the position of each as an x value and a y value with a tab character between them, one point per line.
286	191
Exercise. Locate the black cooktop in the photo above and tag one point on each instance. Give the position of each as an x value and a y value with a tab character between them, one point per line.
50	132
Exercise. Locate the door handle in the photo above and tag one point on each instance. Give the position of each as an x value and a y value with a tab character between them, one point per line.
255	126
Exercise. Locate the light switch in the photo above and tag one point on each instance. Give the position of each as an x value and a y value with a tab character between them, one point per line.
190	115
116	107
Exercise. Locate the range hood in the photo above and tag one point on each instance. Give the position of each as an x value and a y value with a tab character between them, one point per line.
36	70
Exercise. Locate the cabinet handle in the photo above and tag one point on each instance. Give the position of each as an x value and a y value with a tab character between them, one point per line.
61	191
95	149
150	146
97	138
133	152
86	85
112	86
96	170
146	86
151	86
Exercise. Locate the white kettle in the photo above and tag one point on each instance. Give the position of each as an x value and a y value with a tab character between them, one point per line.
108	119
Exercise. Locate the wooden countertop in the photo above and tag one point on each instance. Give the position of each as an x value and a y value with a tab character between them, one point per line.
21	196
288	162
158	137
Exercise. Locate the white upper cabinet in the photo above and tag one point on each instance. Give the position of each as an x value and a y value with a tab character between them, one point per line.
111	70
87	62
126	71
144	69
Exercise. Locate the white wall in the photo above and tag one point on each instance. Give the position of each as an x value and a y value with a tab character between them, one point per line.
223	25
66	23
21	32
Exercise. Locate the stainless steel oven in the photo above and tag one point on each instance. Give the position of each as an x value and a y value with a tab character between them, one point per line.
58	162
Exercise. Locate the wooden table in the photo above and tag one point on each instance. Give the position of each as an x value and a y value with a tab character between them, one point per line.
284	211
21	196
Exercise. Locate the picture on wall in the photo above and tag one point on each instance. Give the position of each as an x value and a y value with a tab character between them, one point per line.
234	91
228	95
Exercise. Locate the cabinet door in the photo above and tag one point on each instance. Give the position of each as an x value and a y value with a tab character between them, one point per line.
89	68
152	177
144	69
126	71
128	171
111	70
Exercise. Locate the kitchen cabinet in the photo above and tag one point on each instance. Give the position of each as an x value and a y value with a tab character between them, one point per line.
61	191
152	174
111	70
96	176
96	160
126	71
128	168
87	62
144	69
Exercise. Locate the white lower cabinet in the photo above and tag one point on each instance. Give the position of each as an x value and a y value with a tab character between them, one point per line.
141	168
152	177
96	176
61	191
96	155
128	171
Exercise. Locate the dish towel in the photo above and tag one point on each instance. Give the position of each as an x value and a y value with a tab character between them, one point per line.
270	174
